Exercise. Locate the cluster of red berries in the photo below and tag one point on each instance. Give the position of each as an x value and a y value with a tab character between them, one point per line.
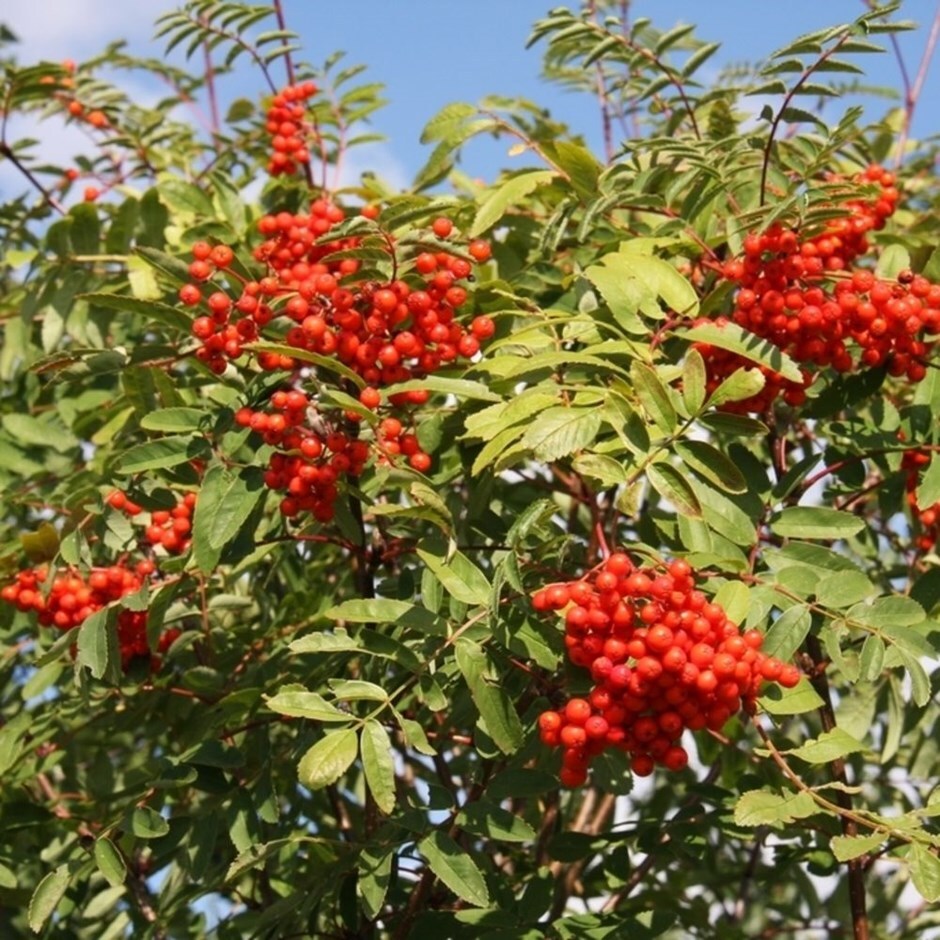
94	117
169	528
928	519
71	599
663	659
287	127
313	455
802	296
392	440
386	333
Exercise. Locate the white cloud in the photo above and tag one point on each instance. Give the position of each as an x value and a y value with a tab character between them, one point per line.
73	29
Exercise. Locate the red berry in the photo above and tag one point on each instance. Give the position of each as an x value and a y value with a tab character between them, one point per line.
442	227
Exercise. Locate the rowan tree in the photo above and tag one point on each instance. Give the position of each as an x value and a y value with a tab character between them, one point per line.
547	556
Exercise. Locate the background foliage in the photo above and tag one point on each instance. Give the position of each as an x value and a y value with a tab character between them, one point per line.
285	722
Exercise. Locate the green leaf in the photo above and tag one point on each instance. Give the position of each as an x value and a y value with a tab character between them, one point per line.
791	115
799	700
845	848
494	704
446	120
375	874
110	862
49	892
498	202
226	499
925	872
734	425
578	162
739	386
770	808
455	868
461	578
152	309
493	822
185	197
487	423
892	612
145	287
47	431
173	420
735	598
147	823
299	703
375	747
674	487
384	610
816	522
920	681
732	337
86	229
928	492
871	660
323	642
445	385
693	381
632	282
161	454
97	645
829	746
653	396
558	432
712	465
328	759
329	363
606	470
894	259
356	689
622	294
415	736
843	589
629	426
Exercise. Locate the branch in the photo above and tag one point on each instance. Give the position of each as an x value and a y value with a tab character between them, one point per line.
6	151
778	117
857	900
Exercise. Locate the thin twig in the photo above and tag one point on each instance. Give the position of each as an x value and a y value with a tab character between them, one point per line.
209	74
857	899
602	97
778	117
6	151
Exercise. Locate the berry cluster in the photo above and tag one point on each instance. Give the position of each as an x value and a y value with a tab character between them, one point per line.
663	659
801	294
286	125
386	332
94	117
168	528
71	599
928	519
312	454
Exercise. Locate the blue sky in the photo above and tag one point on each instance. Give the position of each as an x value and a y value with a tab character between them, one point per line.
431	52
